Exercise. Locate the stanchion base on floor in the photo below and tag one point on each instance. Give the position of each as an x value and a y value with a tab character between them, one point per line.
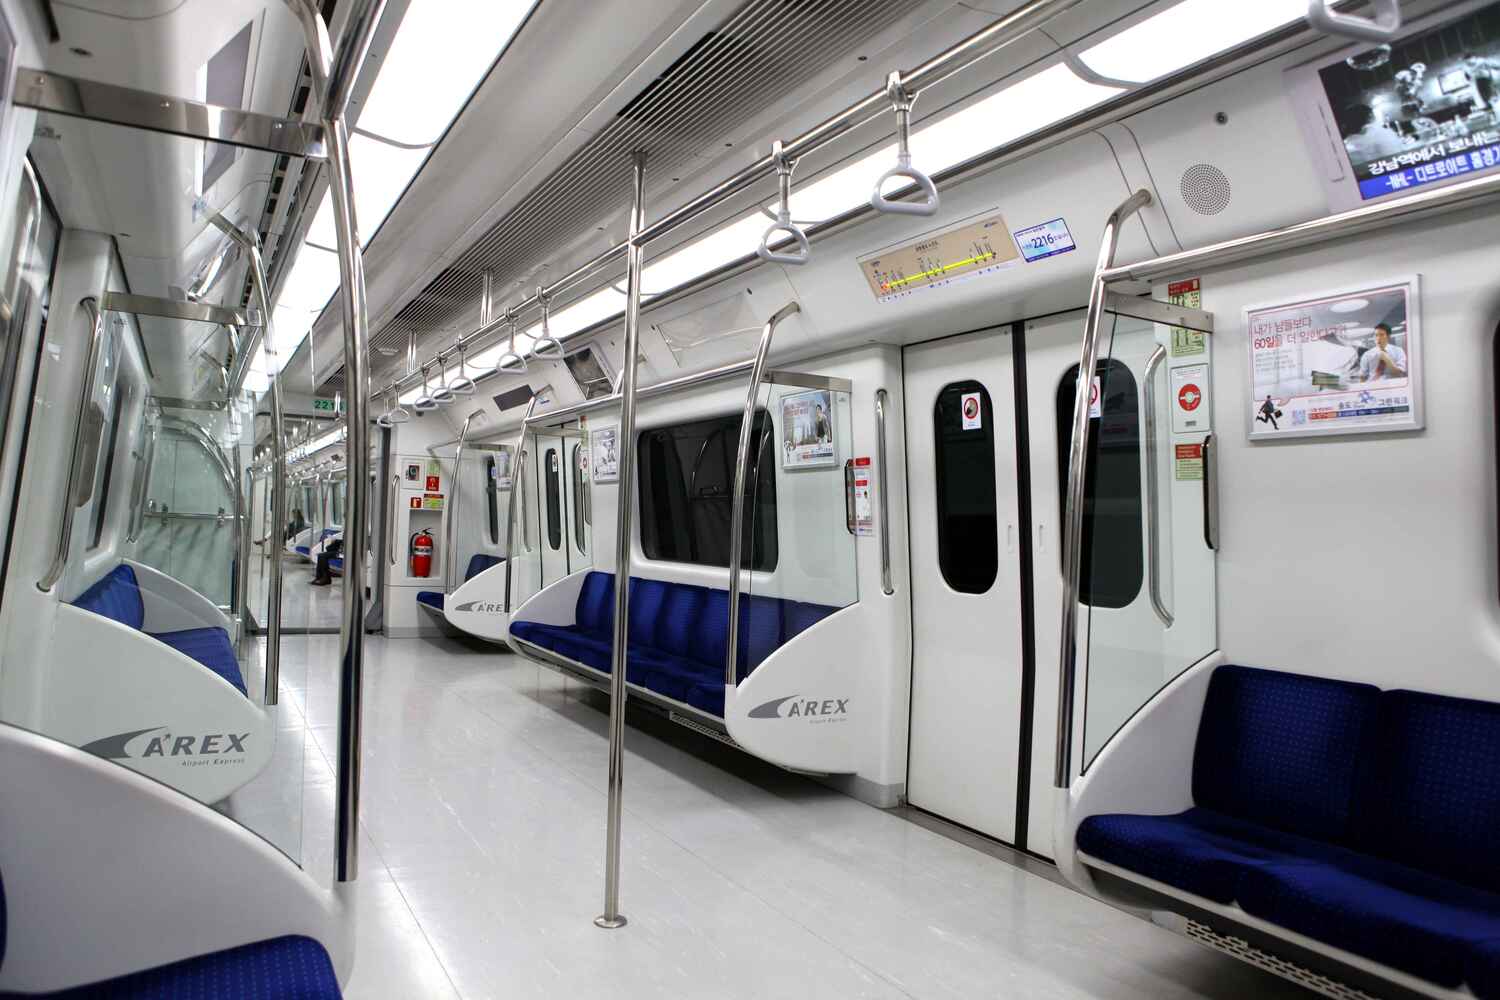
610	923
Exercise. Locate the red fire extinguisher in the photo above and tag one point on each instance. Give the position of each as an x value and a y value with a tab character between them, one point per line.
421	553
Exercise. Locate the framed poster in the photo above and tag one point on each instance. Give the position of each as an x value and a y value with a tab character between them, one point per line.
807	438
1421	111
606	448
1345	362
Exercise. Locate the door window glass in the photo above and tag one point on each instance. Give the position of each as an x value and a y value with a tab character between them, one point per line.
963	423
554	502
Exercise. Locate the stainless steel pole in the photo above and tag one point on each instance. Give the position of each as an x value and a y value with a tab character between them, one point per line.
450	552
612	917
250	243
737	503
1078	485
515	493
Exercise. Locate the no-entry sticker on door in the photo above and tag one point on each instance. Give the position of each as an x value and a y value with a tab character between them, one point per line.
973	413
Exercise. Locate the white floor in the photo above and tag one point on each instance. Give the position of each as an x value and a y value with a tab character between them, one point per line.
303	606
481	863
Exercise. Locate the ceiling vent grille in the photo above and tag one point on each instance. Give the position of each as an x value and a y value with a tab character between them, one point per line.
763	52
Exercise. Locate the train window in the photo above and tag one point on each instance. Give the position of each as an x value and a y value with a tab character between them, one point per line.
492	497
967	524
554	502
582	515
686	479
1112	558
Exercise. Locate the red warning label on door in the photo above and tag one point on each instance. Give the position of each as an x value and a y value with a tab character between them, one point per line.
1190	386
1189	396
973	414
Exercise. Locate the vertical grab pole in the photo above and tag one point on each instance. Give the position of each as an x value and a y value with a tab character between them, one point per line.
450	542
882	403
737	502
515	490
333	76
250	243
612	918
1077	487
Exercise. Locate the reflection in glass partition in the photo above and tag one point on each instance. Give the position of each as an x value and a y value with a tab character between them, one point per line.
800	563
1141	624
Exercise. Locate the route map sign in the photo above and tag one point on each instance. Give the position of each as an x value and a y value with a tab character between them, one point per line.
941	259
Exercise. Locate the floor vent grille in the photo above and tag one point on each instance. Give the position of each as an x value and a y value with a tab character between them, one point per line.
1246	952
698	727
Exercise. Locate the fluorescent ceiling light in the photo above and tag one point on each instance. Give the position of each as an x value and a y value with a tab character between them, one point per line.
381	173
1186	33
722	246
439	55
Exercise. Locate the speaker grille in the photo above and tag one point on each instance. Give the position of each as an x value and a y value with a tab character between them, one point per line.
1205	189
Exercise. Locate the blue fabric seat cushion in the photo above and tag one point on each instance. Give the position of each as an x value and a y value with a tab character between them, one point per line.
1432	794
1199	851
596	603
210	647
285	968
1422	924
478	563
680	609
647	598
1284	750
708	696
675	676
431	598
116	595
303	550
336	564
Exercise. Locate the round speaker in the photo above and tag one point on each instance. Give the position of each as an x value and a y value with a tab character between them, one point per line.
1205	189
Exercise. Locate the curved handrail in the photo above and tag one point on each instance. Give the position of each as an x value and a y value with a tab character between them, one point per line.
450	519
1067	661
54	573
901	101
1381	29
1153	489
784	224
515	493
741	467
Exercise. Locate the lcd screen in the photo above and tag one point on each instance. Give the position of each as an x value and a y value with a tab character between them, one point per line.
1423	109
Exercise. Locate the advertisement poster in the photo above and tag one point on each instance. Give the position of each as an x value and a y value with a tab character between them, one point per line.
501	470
1421	110
864	509
1343	363
606	448
807	430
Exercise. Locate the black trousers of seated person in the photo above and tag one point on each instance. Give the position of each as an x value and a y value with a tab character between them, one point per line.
323	574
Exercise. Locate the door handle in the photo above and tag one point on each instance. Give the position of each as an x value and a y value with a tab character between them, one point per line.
1153	488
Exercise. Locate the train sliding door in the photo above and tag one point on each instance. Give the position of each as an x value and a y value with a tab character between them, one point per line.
967	667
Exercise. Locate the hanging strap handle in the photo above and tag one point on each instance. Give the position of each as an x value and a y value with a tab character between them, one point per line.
784	224
546	347
1380	29
510	362
901	101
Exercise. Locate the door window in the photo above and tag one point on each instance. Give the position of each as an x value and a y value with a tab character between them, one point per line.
963	424
554	502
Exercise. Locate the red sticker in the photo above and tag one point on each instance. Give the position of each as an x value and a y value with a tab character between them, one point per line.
1189	396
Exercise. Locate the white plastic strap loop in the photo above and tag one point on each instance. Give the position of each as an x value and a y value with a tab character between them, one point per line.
784	224
547	347
901	101
1381	29
510	362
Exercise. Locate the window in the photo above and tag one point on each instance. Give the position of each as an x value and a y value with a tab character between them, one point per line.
583	515
967	526
686	478
554	502
492	496
1113	563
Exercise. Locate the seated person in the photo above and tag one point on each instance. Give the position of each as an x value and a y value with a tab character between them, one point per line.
323	574
297	525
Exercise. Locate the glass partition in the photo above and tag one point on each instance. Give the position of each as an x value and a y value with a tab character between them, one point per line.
140	642
1147	584
799	560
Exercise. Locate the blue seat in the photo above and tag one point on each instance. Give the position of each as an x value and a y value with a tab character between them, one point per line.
117	596
1354	817
304	550
678	635
434	598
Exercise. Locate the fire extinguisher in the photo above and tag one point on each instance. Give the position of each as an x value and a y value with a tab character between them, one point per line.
421	553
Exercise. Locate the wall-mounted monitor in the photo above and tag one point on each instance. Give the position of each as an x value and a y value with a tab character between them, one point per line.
1424	110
